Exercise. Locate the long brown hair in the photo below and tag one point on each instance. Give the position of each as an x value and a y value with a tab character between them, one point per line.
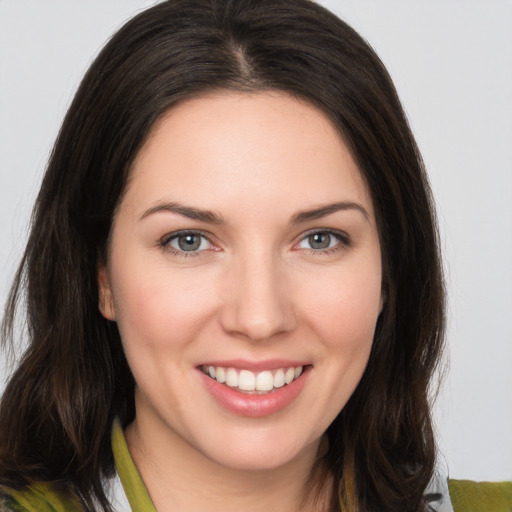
73	380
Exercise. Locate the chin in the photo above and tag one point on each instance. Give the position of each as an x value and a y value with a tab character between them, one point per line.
262	452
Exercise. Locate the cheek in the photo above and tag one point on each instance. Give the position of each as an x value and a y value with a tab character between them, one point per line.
159	308
345	306
343	314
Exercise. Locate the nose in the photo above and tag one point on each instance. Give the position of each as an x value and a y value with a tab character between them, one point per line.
258	305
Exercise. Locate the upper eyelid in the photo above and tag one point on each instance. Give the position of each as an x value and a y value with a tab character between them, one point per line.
170	236
336	232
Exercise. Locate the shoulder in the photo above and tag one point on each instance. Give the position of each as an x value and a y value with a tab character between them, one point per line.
480	496
39	497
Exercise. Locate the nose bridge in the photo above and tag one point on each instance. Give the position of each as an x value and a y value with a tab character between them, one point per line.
260	305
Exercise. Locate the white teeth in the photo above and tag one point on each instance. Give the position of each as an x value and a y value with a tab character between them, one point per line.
279	379
248	381
264	381
232	378
220	375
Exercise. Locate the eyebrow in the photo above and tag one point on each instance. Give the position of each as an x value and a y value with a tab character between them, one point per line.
329	209
186	211
210	217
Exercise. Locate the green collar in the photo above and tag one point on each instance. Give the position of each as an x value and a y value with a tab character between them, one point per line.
133	486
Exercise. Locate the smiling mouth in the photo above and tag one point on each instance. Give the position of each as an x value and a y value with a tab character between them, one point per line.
246	381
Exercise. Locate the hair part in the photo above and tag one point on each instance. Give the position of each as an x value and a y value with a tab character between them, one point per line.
73	380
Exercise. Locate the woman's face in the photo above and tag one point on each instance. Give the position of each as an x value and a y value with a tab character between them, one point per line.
244	273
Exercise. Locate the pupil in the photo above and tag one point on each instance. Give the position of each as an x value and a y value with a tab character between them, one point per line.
189	242
320	240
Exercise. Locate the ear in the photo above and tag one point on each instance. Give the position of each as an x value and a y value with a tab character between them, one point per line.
106	299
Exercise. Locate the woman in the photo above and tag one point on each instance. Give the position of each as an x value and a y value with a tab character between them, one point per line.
234	261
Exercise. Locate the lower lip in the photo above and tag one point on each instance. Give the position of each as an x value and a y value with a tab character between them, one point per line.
255	406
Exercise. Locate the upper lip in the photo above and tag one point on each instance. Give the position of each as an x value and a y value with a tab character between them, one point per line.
255	366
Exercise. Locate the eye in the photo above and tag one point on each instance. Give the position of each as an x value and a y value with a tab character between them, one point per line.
322	241
187	241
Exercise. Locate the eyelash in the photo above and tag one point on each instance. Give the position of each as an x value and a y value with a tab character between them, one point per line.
343	242
166	240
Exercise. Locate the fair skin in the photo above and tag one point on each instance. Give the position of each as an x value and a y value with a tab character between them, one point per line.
245	243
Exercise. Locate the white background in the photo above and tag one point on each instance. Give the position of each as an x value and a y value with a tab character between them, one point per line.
452	64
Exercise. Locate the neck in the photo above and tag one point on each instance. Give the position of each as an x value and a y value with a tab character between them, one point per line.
178	478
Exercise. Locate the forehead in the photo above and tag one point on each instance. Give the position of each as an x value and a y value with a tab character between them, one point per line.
259	150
